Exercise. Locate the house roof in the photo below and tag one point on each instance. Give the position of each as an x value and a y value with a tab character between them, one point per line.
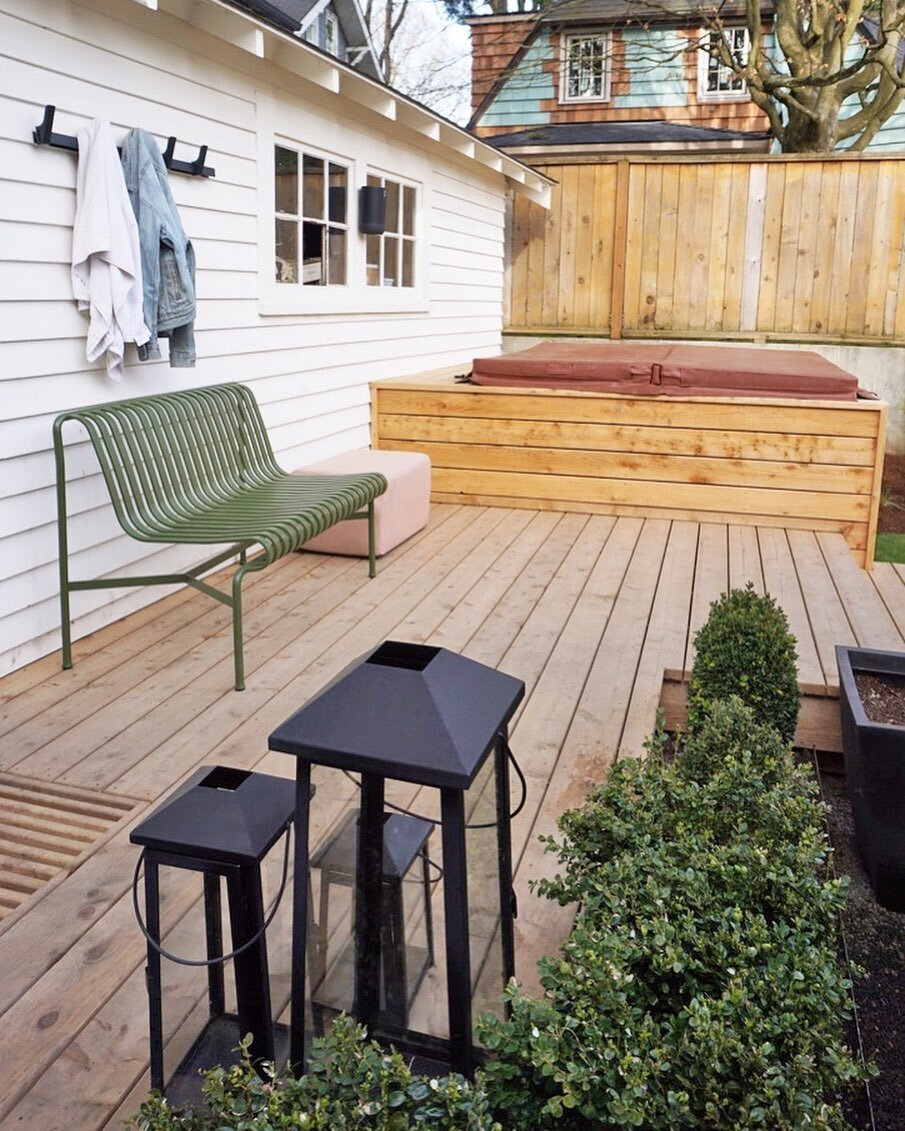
869	27
573	139
293	15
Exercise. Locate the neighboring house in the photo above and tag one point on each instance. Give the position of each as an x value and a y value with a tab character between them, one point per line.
292	299
337	27
589	77
594	77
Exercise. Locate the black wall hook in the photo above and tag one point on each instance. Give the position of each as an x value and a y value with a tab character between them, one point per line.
43	135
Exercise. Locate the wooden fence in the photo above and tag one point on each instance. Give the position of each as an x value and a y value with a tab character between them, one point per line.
798	249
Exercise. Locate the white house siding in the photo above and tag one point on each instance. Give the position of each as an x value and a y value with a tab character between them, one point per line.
310	372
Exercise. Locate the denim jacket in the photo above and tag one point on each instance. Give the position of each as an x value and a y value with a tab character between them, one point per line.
167	257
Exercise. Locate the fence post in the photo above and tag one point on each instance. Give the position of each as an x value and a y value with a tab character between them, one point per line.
620	241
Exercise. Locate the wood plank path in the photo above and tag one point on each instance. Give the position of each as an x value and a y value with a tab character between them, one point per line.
589	610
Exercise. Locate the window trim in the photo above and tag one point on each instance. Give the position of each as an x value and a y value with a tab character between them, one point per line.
567	38
704	59
414	239
295	300
325	222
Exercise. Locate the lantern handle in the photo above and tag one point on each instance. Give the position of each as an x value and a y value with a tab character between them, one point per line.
487	825
220	958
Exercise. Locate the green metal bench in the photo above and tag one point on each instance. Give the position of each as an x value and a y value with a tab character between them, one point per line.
197	467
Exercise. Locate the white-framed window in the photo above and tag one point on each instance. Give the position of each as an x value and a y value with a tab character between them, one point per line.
716	81
312	256
311	218
331	33
390	257
585	72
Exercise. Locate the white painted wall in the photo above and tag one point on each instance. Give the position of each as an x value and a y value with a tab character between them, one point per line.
309	368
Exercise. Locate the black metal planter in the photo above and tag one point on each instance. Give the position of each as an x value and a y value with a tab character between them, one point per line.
875	771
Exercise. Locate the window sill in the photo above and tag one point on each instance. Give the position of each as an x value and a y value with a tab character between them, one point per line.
734	96
596	100
342	300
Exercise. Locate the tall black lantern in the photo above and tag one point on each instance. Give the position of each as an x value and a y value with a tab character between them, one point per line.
410	713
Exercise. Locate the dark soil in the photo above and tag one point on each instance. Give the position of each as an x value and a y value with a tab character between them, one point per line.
892	499
882	696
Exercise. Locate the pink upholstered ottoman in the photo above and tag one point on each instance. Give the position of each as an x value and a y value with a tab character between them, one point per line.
401	511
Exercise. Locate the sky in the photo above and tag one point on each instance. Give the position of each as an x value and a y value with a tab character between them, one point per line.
432	60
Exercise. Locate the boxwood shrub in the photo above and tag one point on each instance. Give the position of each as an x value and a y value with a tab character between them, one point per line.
745	649
351	1083
702	984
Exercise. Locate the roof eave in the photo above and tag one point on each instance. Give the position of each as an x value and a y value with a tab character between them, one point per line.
244	31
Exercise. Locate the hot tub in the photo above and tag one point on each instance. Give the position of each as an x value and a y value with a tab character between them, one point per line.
639	369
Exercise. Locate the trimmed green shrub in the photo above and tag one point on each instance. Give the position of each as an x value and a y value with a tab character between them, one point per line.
702	984
351	1083
745	649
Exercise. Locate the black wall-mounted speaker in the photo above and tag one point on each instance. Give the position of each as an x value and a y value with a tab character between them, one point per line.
372	210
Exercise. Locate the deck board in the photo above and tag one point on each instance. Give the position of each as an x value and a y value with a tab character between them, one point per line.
589	609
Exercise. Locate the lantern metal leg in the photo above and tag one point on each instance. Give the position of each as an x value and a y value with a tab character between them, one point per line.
216	994
152	973
455	906
300	915
246	914
368	901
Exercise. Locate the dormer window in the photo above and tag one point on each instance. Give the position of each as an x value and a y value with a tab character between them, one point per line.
585	74
331	34
716	81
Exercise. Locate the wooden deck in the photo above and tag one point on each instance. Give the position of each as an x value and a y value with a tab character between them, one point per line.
590	610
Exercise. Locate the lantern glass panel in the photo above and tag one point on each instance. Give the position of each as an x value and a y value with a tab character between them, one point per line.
483	864
409	982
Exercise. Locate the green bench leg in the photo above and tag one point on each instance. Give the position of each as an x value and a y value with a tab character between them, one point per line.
372	554
63	544
238	658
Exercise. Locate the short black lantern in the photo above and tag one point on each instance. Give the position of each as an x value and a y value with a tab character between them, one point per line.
372	209
411	713
220	822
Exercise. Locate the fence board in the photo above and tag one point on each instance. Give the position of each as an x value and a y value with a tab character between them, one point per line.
791	248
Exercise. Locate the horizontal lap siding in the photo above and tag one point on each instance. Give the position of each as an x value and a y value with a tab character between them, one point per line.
310	373
775	463
791	249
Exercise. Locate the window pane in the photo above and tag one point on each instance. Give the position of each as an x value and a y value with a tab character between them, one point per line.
313	194
313	273
392	221
408	211
586	67
390	261
337	194
336	268
408	263
286	180
372	251
287	251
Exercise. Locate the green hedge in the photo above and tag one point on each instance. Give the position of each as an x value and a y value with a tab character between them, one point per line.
745	649
701	986
351	1083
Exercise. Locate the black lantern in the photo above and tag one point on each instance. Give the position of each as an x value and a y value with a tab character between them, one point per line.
221	822
410	713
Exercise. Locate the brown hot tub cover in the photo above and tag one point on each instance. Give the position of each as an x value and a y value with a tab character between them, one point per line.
682	370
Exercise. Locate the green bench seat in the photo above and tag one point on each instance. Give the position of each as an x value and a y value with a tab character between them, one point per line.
197	467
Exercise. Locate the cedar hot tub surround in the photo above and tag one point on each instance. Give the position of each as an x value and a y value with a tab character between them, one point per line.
778	461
